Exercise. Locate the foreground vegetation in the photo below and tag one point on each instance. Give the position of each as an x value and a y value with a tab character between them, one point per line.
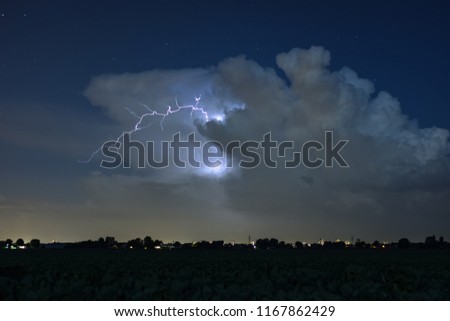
281	274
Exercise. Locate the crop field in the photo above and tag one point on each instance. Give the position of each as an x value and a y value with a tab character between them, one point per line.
354	274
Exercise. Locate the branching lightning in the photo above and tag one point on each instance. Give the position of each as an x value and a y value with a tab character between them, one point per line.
152	113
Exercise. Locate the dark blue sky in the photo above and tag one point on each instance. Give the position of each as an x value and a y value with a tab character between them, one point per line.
54	111
50	49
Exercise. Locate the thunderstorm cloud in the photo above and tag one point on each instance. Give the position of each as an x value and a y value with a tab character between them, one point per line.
399	172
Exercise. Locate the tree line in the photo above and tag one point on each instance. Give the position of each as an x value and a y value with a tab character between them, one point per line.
109	242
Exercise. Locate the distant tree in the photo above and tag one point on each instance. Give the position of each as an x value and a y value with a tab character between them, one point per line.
404	243
298	245
360	244
177	245
273	243
8	243
110	241
288	246
101	243
148	242
203	245
262	243
20	242
430	242
35	243
442	243
328	244
135	244
89	244
339	245
187	246
376	244
217	244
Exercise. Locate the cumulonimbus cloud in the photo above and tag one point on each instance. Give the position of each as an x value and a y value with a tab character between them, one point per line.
398	171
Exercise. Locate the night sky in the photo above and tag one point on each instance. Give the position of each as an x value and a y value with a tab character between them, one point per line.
373	72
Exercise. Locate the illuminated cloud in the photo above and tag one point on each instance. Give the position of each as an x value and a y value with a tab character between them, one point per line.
397	169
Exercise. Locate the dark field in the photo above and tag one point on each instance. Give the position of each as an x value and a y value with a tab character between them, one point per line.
349	274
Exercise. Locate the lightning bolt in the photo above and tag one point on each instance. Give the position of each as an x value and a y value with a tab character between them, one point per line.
153	113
